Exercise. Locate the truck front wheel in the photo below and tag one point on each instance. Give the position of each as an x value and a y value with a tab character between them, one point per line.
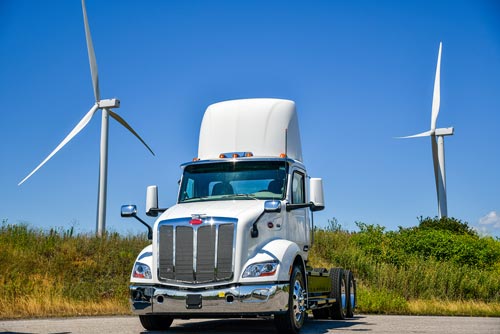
292	321
154	322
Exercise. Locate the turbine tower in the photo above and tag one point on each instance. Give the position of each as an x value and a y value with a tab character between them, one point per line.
106	107
437	142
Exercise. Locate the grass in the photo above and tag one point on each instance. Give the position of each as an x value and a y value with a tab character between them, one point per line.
57	273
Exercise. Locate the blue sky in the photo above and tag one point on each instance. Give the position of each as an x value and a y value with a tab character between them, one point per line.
361	73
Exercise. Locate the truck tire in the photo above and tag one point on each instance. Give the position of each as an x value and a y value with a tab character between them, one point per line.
292	321
338	311
154	322
351	293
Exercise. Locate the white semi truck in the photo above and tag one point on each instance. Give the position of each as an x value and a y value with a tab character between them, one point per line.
236	243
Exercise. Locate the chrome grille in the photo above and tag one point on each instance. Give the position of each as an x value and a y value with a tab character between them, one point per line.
196	254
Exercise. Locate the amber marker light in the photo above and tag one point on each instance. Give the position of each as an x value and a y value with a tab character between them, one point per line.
282	155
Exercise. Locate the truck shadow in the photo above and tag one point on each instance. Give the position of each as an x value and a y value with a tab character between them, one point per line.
260	326
10	332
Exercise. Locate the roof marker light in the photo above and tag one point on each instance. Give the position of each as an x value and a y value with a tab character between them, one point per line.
282	155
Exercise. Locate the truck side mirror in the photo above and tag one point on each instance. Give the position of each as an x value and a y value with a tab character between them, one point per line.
128	211
316	194
131	211
152	201
272	206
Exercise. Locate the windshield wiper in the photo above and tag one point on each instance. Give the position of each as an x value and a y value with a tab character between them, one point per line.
250	196
190	199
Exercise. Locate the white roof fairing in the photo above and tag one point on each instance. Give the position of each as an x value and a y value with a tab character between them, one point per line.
258	125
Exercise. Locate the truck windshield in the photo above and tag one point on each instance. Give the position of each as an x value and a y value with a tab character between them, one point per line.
233	180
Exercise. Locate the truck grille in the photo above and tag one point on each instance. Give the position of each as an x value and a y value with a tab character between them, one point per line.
196	254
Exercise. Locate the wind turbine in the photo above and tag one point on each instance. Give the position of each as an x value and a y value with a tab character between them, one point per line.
106	106
437	142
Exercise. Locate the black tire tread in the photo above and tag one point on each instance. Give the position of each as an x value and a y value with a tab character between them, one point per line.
155	322
349	277
337	276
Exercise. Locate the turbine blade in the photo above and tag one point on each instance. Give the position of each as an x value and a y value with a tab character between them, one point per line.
83	122
423	134
129	128
90	50
436	98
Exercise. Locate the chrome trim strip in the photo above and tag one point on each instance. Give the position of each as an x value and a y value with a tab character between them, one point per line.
195	251
217	248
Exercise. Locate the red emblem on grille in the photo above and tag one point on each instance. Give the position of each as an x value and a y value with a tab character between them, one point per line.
195	221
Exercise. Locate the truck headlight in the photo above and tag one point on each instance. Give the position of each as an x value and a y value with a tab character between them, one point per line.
141	270
261	269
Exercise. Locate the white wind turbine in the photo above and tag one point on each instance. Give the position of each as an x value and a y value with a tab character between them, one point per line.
437	141
105	106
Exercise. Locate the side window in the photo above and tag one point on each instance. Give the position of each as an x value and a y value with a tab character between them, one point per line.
298	188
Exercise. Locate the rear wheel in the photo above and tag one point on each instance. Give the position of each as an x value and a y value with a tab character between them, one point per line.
154	322
351	293
292	321
339	292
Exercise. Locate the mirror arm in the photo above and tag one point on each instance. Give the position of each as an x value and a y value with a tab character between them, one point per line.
290	207
153	212
254	232
150	230
316	207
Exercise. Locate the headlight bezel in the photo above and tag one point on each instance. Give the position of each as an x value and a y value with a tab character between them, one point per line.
142	271
261	269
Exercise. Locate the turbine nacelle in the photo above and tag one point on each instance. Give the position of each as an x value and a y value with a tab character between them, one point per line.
444	132
109	103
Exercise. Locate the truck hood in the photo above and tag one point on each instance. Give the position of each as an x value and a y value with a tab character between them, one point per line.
243	210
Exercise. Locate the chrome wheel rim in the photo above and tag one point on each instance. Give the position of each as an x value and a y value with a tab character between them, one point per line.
298	303
343	297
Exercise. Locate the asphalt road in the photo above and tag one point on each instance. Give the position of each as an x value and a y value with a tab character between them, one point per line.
373	324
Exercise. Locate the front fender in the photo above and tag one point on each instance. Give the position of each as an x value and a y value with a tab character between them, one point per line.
283	251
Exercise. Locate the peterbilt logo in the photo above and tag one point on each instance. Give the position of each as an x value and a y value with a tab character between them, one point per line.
197	219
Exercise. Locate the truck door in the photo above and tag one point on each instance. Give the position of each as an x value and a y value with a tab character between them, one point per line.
299	227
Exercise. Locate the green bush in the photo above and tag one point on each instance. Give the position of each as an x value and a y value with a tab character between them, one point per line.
451	224
448	261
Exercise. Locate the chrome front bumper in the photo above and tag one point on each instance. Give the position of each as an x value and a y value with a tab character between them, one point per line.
238	300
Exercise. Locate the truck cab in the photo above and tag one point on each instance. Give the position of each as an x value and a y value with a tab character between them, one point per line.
236	242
